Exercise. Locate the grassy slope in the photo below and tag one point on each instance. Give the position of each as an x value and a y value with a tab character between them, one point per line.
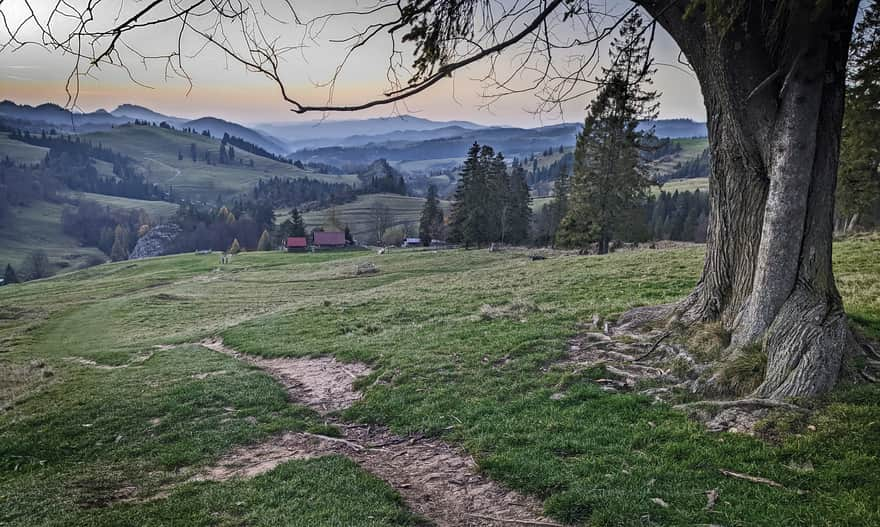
38	226
156	209
358	214
82	434
21	152
156	149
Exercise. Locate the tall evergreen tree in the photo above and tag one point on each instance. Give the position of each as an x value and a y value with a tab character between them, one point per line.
858	187
609	179
465	219
431	220
519	205
9	277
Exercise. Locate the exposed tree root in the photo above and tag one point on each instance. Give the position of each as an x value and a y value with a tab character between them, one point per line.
743	403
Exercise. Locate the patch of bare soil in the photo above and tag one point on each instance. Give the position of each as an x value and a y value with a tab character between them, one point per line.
437	481
321	383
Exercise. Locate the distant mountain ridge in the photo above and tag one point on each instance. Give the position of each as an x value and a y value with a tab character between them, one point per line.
316	134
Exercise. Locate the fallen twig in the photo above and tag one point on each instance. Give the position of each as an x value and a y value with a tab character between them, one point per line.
753	479
520	522
758	479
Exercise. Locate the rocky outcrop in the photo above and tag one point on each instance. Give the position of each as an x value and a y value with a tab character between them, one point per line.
157	241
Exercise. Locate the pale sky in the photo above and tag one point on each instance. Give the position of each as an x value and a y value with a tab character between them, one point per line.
33	75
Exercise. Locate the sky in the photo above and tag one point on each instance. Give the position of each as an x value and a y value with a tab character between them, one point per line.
223	88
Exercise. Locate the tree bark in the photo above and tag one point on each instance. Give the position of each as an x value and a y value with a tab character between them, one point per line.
773	84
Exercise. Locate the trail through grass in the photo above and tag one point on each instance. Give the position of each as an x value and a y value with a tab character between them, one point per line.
77	438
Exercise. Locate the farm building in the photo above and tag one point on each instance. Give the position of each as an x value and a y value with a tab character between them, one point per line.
328	240
297	243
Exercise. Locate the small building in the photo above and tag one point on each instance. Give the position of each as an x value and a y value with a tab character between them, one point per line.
412	242
297	244
328	240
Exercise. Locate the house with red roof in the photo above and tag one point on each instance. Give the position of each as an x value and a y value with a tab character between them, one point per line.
328	240
297	244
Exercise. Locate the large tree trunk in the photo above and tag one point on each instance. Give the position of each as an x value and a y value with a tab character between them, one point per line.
773	81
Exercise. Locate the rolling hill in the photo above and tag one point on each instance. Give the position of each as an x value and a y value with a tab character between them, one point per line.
359	215
157	150
218	127
38	226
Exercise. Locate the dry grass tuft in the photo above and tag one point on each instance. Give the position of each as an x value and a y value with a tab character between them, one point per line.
743	374
517	310
706	342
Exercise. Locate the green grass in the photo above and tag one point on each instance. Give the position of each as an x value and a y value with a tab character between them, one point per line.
691	148
444	369
682	185
38	226
21	152
156	209
156	150
359	216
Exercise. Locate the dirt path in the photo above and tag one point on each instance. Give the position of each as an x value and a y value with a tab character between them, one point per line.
437	481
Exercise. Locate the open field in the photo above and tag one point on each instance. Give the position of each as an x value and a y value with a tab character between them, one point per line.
682	185
38	226
20	152
358	215
157	150
156	209
690	148
100	427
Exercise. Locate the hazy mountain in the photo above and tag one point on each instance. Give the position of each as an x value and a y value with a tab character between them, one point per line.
133	111
676	128
54	115
218	127
316	134
511	141
450	143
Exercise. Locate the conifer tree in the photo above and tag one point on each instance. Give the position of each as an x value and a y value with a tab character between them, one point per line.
858	187
518	205
9	277
431	220
464	223
609	177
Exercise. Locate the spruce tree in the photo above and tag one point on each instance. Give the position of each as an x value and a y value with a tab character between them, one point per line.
519	205
299	227
858	187
9	277
464	223
432	217
609	177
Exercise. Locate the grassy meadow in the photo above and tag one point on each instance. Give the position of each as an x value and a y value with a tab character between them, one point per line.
157	150
88	443
38	226
359	216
